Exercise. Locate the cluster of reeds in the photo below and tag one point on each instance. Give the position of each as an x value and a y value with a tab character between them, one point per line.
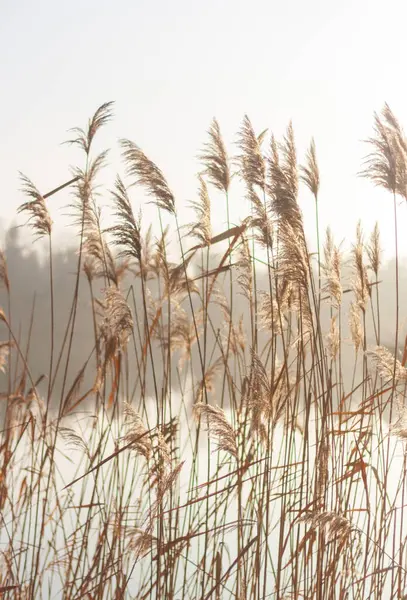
209	447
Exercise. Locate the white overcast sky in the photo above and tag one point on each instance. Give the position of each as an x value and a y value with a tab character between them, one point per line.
171	66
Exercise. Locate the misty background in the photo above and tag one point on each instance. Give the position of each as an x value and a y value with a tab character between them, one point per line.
28	271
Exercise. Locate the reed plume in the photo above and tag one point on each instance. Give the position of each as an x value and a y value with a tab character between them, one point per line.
99	261
310	172
148	175
331	269
251	161
399	427
137	435
293	256
322	471
260	219
117	324
201	229
355	325
270	312
39	217
360	280
244	265
374	251
143	507
215	159
282	184
218	427
335	525
265	399
333	340
387	365
386	165
127	233
84	137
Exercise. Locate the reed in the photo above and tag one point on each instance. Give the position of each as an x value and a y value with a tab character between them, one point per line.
238	426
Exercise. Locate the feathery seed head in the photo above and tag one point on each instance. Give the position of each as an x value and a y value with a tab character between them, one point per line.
137	434
39	219
293	256
269	313
355	325
333	340
334	524
117	325
201	229
126	233
282	185
84	138
310	173
218	427
332	270
260	219
148	175
374	250
361	280
252	167
386	165
387	365
215	159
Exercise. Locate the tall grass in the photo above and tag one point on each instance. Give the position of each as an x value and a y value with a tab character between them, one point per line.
222	450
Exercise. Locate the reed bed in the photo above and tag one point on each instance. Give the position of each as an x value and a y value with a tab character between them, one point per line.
238	429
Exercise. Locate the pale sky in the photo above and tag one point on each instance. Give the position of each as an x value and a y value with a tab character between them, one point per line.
172	66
